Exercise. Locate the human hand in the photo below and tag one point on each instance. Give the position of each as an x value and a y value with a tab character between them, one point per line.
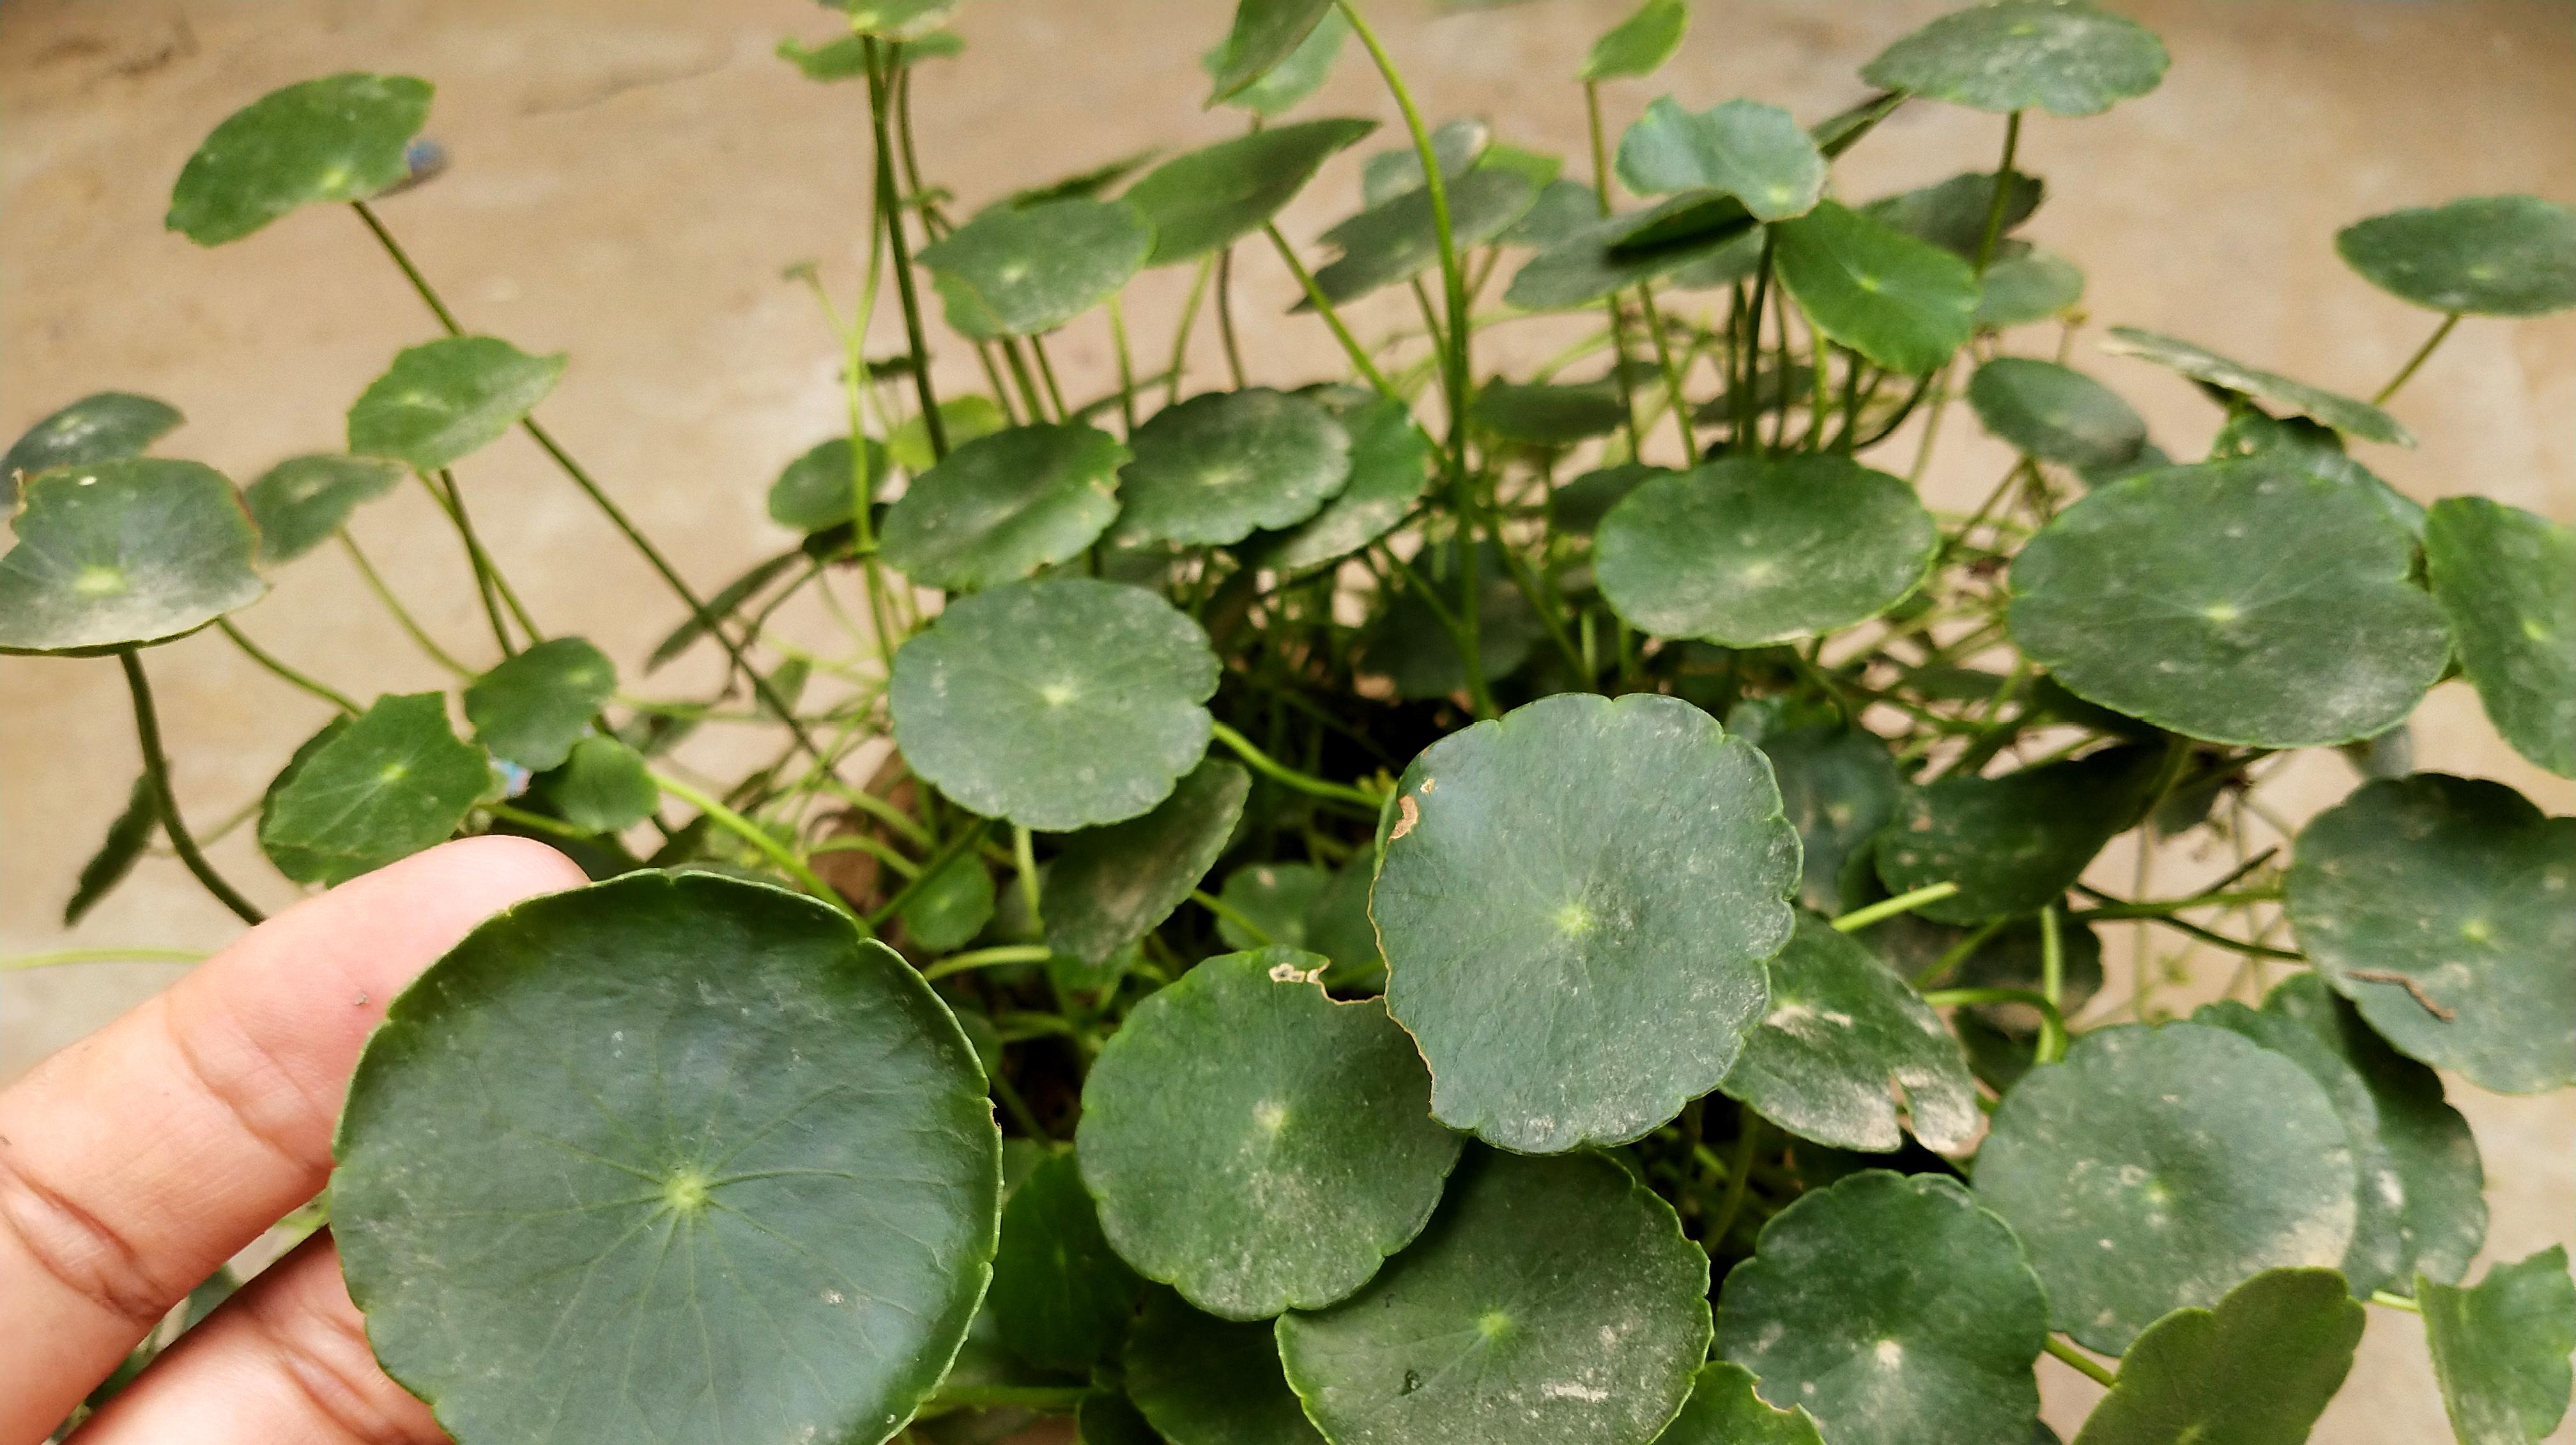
135	1162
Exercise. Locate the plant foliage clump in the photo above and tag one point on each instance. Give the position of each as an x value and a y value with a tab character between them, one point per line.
1435	905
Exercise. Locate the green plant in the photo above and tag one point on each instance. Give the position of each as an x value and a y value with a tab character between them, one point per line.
1535	1011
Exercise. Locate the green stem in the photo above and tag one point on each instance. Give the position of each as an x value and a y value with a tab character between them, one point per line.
2002	202
1046	373
1225	317
156	766
758	837
967	838
1860	918
2052	1024
1126	364
2396	1301
1959	953
2236	899
1259	935
401	615
1279	772
1618	317
905	287
538	821
1672	375
419	283
1739	1175
1024	857
1332	318
62	956
2084	1364
873	847
287	674
487	573
988	958
1181	333
2407	372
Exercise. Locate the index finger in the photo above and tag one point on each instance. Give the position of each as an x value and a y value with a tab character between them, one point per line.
137	1160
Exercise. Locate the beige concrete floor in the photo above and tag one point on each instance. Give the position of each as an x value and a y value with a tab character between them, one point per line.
629	179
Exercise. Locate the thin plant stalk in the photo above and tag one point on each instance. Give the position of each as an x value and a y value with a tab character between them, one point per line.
301	682
891	210
1324	308
1618	317
2424	352
401	615
156	767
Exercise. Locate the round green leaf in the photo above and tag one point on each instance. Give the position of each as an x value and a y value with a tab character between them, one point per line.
1206	1381
1551	1302
1002	506
2056	414
819	488
1892	1309
1395	240
2432	1157
950	907
1059	704
2257	1370
1219	466
340	138
1390	470
301	501
1839	786
450	397
1639	45
2013	844
1751	550
964	418
2440	906
1062	1295
1751	151
106	427
2491	255
1845	1042
666	1143
1903	303
533	707
393	781
1953	213
1724	1410
1110	886
2342	413
1575	903
2027	288
1274	896
603	786
2065	57
2154	1168
2240	601
1021	270
1265	34
2500	1350
1213	196
1456	146
1577	507
2507	580
123	554
1255	1144
1279	89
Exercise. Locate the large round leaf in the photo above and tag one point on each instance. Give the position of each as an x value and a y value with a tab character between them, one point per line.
2492	255
2507	580
1390	470
1839	786
1575	903
2056	414
101	428
1206	1381
340	138
1551	1302
604	786
1746	550
2500	1350
1213	196
122	554
821	487
449	397
1058	705
1724	1410
1751	151
533	707
1274	897
2154	1168
385	785
1000	507
2257	1370
1060	1294
1893	1310
2241	601
2065	57
670	1156
1255	1144
1219	466
301	501
1108	887
1021	270
2022	289
2342	413
1396	239
2441	907
1639	45
2431	1157
1953	214
1549	414
1903	303
1845	1043
2013	844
